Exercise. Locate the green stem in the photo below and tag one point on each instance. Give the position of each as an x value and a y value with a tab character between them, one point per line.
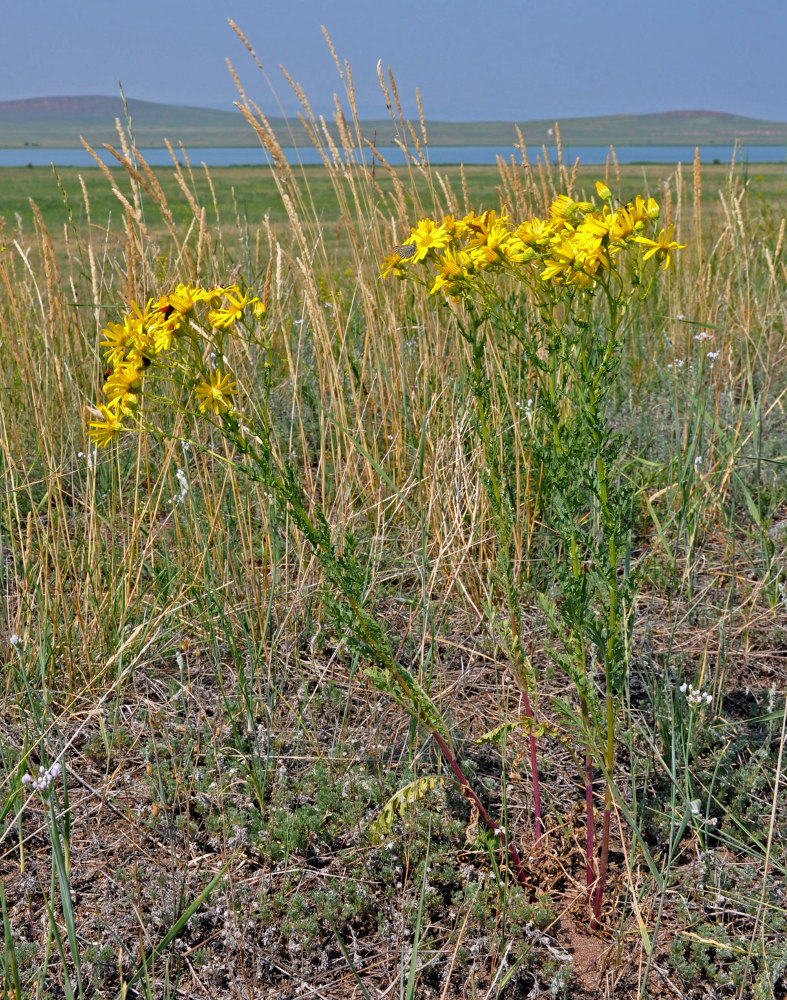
480	393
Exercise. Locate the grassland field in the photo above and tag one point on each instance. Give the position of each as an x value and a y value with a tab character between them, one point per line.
247	194
169	641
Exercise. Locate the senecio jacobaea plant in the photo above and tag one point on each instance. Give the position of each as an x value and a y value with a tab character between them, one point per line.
178	338
536	284
173	353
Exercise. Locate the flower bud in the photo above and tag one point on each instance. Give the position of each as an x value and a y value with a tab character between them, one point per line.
603	191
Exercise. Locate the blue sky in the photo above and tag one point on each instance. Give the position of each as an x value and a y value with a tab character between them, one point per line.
471	59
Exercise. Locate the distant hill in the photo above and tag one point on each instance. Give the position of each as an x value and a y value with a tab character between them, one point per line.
60	121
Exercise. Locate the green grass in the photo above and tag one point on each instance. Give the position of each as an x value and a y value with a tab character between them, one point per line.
224	754
246	195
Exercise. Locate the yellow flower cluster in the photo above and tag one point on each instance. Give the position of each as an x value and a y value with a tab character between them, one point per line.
577	244
138	346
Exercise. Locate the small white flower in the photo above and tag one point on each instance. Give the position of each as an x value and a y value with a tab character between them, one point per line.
45	777
713	355
697	461
680	317
14	639
703	335
178	499
695	696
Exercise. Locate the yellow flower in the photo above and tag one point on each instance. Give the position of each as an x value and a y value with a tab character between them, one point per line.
563	207
107	429
164	331
495	245
662	247
452	227
599	226
183	297
427	236
120	337
216	393
574	262
603	191
454	266
124	382
392	262
213	295
226	316
536	233
622	228
638	212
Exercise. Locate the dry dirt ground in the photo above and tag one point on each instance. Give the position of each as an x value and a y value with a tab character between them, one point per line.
191	785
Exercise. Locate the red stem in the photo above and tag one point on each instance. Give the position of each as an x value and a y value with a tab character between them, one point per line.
467	791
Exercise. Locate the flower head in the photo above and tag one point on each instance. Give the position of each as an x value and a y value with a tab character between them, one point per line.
216	393
662	247
222	317
428	236
103	431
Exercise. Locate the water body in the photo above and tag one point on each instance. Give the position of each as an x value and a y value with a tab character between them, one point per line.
225	157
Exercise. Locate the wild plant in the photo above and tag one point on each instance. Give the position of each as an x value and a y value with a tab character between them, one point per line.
536	284
180	347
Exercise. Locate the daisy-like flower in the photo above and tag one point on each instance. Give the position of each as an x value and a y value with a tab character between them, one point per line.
662	247
427	236
212	296
168	313
537	233
497	244
574	261
164	331
622	227
222	317
392	262
216	393
123	382
119	338
454	265
182	298
103	431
